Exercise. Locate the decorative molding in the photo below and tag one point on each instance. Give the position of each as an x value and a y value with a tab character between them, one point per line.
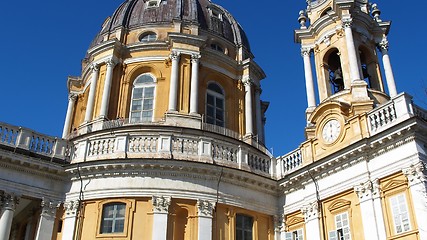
310	211
71	208
174	55
368	190
161	204
339	204
347	22
305	51
49	208
383	45
205	208
416	173
195	58
9	201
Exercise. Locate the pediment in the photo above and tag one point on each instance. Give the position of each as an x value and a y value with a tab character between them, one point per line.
294	220
393	184
339	204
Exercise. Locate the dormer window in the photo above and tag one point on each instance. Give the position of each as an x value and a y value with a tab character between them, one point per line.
148	37
153	3
217	47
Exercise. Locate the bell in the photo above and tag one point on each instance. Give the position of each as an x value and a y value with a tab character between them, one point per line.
338	80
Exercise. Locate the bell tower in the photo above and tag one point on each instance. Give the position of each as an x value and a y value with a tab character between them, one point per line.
343	41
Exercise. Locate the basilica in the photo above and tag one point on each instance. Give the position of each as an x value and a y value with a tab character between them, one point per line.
164	136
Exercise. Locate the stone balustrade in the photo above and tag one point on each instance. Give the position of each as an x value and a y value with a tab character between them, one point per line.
393	112
289	162
26	140
159	143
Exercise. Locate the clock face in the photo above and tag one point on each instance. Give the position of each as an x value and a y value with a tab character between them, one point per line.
331	131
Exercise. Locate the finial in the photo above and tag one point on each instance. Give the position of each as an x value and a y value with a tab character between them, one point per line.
376	12
302	19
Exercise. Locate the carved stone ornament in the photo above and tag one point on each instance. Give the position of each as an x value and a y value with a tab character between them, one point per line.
9	201
279	224
71	207
383	45
305	51
247	82
111	62
310	211
205	208
368	190
347	22
72	97
416	173
94	67
49	208
195	58
161	204
174	56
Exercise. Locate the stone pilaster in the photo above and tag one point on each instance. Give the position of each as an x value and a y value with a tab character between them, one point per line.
71	211
47	219
160	216
311	217
8	203
205	214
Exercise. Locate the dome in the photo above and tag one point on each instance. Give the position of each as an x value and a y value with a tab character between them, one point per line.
134	14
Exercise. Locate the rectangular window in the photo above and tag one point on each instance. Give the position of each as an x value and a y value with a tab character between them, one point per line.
295	235
342	227
244	225
400	213
113	218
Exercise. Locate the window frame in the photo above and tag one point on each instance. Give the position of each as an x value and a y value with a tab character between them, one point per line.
128	217
393	214
149	2
144	86
297	234
148	34
340	234
216	96
244	228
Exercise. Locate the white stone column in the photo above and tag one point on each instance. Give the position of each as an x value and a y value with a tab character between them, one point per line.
372	218
205	211
279	227
173	87
194	95
160	217
417	181
312	224
111	63
70	220
309	84
47	220
248	107
71	102
258	116
391	85
351	50
92	93
8	207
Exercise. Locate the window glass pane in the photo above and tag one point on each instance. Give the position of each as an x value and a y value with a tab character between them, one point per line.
149	92
119	226
210	100
137	93
148	104
136	105
219	103
145	78
214	87
248	235
210	111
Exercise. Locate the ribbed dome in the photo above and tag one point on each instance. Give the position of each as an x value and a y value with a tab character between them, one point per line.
133	14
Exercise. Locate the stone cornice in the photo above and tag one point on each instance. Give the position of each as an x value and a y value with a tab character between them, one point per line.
171	168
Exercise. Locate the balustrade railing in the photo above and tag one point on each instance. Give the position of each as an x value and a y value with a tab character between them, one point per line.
290	162
44	146
169	146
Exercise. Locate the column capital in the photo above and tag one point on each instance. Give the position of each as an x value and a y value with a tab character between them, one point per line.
161	204
279	224
111	62
383	45
416	173
195	58
305	51
368	190
310	211
49	208
71	208
174	55
9	201
347	22
205	208
94	67
72	97
247	82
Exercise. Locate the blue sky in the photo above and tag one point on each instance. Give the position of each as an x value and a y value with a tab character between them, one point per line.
43	42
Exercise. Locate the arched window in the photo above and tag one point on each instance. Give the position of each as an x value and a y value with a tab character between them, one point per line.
142	104
215	105
113	218
148	37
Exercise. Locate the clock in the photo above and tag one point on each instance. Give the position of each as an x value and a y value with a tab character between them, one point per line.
331	131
